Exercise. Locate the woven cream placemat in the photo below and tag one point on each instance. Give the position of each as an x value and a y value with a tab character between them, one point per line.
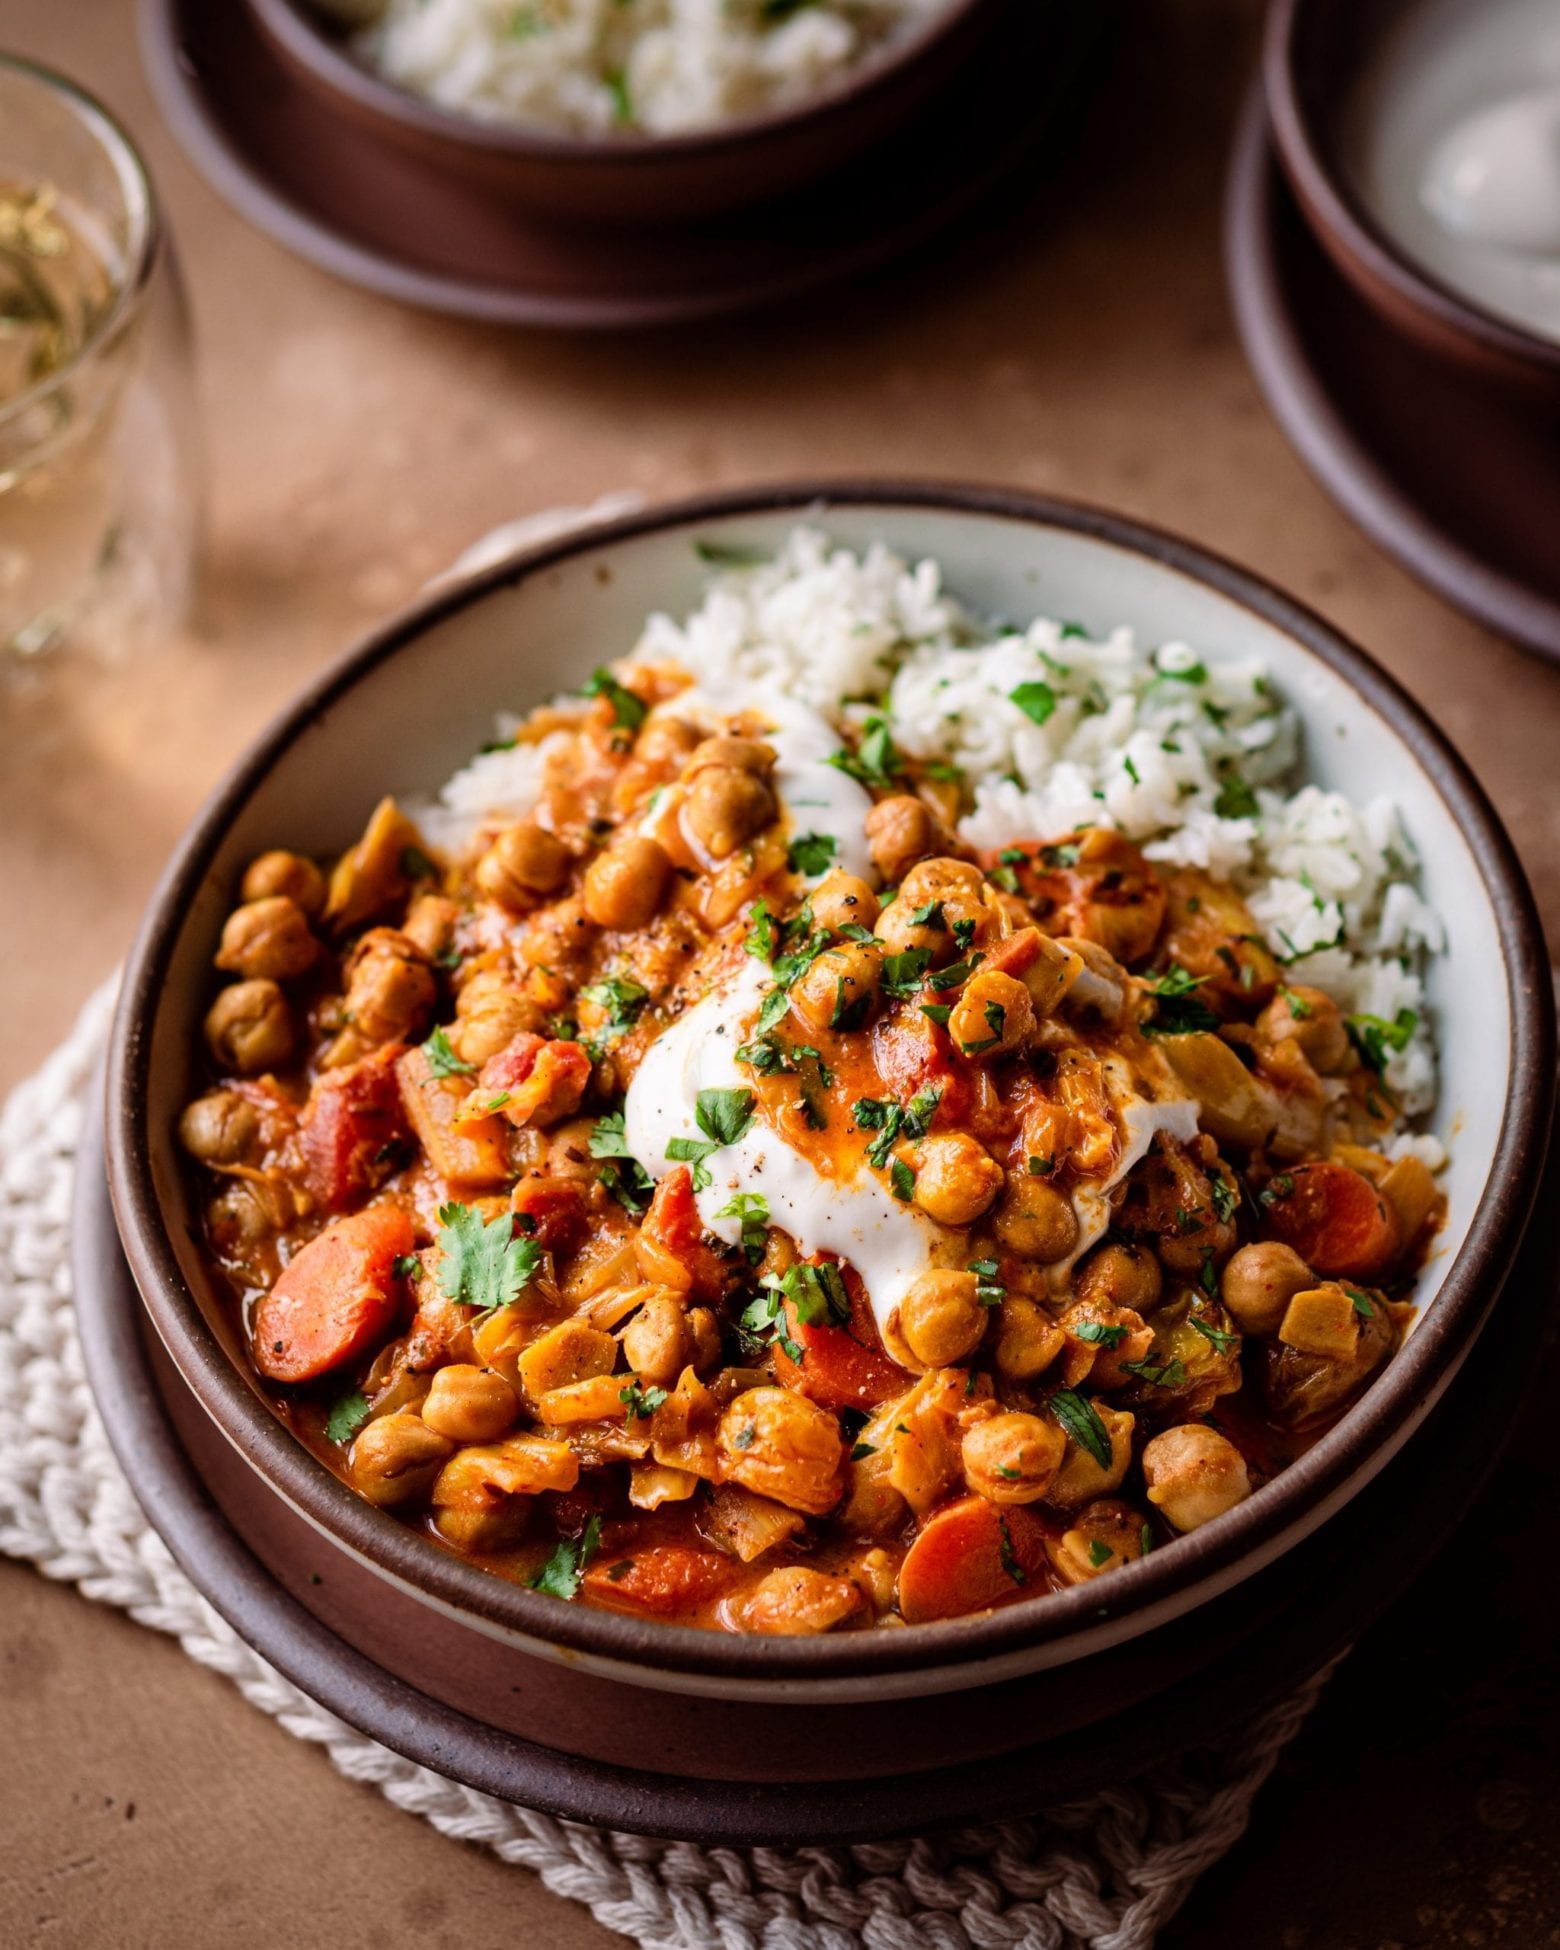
1100	1873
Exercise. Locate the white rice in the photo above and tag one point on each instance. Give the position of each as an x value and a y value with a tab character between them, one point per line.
1197	762
663	67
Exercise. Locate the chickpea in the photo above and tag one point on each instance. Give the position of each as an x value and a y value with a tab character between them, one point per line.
489	1013
470	1404
941	1319
1013	1458
705	1330
958	1179
249	1027
726	808
841	898
1120	1276
1028	1340
522	866
1035	1220
395	1459
268	937
666	741
390	988
286	874
1260	1281
430	924
242	1218
221	1128
1194	1474
1312	1019
626	882
783	1446
901	934
840	989
1105	1536
1102	1360
658	1342
797	1599
1081	1477
900	831
942	879
473	1504
993	1015
731	754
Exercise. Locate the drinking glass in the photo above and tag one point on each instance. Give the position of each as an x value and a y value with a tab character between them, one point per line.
100	477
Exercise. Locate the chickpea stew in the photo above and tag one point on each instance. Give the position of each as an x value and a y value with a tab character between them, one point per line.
729	1194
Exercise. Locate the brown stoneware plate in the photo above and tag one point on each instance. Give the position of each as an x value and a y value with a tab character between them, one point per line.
632	179
605	1688
1315	54
1254	1644
373	212
1459	479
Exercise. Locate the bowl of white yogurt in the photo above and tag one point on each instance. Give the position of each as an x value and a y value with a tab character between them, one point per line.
1422	138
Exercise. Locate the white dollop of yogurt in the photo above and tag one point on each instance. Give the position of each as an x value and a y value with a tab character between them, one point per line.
1494	178
887	1241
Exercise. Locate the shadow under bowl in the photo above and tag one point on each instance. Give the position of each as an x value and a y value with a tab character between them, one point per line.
1316	58
632	178
411	704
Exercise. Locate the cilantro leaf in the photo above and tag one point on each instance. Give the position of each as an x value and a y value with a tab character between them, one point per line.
760	940
1374	1038
347	1416
560	1576
724	1115
1098	1333
1178	1010
1078	1416
811	853
876	760
1035	699
442	1060
623	1001
641	1402
1236	799
628	710
483	1265
752	1209
1219	1336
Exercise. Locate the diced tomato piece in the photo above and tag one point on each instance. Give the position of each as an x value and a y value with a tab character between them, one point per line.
666	1580
913	1052
348	1132
552	1211
337	1298
969	1556
534	1081
673	1224
842	1366
1334	1218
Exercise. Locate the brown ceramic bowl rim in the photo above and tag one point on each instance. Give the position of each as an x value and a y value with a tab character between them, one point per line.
1342	219
291	24
1468	1287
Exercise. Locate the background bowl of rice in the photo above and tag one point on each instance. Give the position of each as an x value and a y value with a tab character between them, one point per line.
563	156
406	711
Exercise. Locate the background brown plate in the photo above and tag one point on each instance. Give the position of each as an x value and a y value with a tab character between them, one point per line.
379	217
1457	480
1262	1642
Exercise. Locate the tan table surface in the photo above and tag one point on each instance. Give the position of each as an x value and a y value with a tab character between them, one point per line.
1084	348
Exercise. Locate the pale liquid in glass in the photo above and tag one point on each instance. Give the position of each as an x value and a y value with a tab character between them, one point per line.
60	280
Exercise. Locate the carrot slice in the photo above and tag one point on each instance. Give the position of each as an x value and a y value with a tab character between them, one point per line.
969	1556
336	1298
665	1580
1334	1218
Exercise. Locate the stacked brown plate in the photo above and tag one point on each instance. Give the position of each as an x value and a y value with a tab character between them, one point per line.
522	227
1432	421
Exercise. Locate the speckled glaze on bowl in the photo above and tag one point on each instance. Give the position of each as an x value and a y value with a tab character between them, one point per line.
1313	53
409	705
636	178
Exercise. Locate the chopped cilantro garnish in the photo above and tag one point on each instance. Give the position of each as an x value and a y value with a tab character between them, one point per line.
1374	1038
1178	1010
406	1266
1100	1553
442	1060
1236	799
1065	854
623	1001
1220	1338
904	973
347	1416
811	853
1009	1556
1280	1186
760	940
1361	1303
483	1265
641	1402
989	1290
901	1180
1099	1333
861	1451
850	1011
416	865
1161	1374
1041	1167
1035	699
752	1208
1225	1199
875	761
729	555
1297	1005
628	710
937	1012
560	1576
955	976
1079	1418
